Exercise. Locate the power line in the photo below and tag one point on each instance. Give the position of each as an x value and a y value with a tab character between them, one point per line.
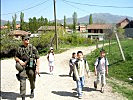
97	5
75	6
27	8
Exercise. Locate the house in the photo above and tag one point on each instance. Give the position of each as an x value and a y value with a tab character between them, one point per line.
123	23
18	26
97	31
129	29
82	28
98	28
18	33
4	27
47	28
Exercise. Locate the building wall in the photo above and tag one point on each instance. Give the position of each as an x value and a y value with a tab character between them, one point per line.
124	23
129	32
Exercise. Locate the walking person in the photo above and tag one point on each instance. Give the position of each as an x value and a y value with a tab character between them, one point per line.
101	68
27	63
50	58
71	63
79	72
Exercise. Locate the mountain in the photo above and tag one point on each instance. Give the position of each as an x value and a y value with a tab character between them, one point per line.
3	22
99	18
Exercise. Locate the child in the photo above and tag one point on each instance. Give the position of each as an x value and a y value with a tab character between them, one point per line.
50	58
79	67
101	67
71	63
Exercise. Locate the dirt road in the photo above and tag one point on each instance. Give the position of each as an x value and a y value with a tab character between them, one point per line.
58	86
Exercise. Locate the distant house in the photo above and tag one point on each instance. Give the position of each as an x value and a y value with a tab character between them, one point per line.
97	31
5	27
123	23
47	28
18	26
18	33
82	28
98	28
129	29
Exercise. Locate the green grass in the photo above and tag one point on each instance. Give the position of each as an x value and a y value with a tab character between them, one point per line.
126	92
118	69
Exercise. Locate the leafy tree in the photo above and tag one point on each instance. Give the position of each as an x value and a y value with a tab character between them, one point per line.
64	22
46	21
14	22
21	21
8	25
74	21
90	19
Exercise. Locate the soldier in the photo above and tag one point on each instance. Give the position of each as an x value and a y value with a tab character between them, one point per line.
27	63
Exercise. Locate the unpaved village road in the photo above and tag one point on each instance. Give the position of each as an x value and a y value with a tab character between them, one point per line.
58	86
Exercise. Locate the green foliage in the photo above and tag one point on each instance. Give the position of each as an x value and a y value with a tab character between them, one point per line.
122	90
90	19
22	21
74	21
14	22
64	22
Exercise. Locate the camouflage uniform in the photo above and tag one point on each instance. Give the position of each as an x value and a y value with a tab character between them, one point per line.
24	54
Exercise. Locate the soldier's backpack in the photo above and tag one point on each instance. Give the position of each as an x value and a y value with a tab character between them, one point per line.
76	63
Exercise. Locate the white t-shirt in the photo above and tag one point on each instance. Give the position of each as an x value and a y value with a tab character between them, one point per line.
101	66
51	57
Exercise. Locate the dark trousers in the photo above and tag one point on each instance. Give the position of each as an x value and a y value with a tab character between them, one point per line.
24	74
71	70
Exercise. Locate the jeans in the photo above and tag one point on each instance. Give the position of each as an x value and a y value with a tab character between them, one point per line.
101	78
80	84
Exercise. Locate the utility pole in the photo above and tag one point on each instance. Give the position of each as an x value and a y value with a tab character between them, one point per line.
118	41
56	35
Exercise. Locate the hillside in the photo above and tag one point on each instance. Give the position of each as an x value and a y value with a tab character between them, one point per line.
97	18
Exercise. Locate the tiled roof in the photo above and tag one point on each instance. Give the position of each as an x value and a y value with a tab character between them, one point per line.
46	28
123	20
19	32
99	26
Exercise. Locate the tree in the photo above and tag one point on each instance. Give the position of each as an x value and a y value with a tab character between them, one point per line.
8	25
46	21
65	22
31	29
90	19
74	21
22	21
14	22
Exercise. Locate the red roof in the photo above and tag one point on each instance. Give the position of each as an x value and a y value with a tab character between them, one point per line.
123	20
19	32
99	26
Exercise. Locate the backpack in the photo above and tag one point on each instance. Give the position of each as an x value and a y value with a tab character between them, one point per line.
76	63
99	58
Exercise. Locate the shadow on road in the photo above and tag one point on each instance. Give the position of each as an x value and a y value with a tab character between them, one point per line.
43	73
87	89
64	75
64	93
9	95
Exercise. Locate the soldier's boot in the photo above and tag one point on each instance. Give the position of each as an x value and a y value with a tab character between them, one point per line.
32	93
23	98
95	85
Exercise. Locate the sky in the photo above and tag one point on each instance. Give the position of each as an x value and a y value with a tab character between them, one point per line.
45	8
